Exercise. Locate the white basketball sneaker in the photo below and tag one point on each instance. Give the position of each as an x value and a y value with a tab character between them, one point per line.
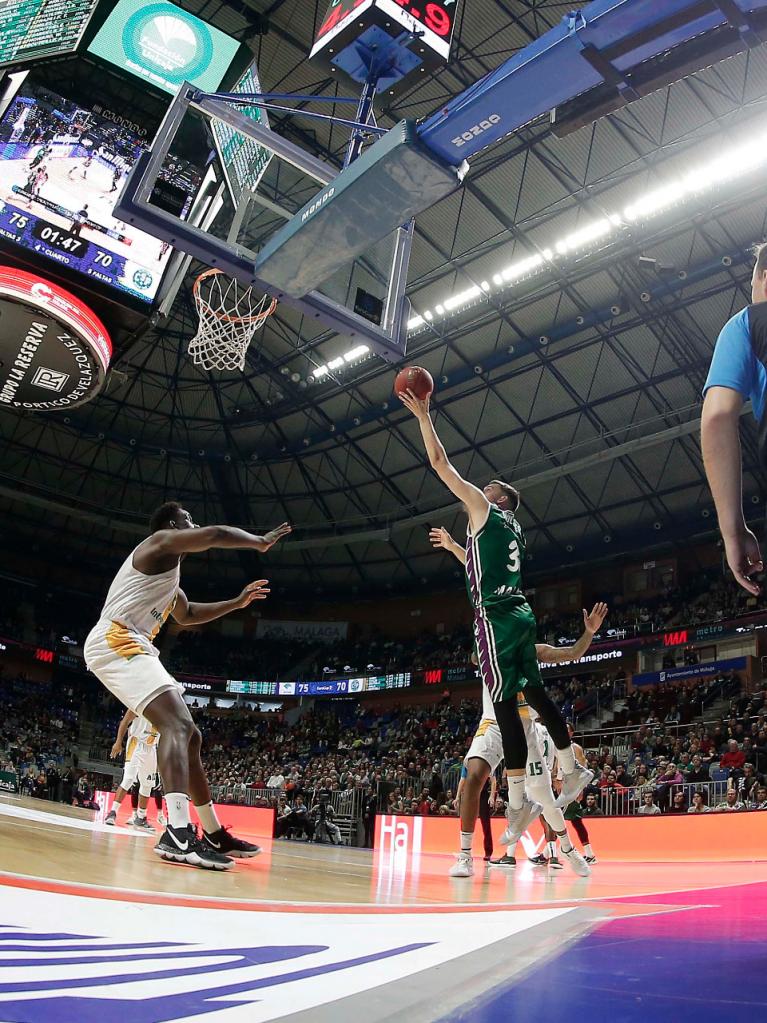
464	866
520	820
573	784
577	862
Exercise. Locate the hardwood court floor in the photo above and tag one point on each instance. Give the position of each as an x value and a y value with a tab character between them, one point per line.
318	933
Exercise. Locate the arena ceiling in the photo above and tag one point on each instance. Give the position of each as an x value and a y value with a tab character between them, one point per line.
583	383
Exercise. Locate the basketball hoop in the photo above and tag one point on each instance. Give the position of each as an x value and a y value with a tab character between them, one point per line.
230	314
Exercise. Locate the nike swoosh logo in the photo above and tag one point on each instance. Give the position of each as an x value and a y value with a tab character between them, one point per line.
216	845
183	847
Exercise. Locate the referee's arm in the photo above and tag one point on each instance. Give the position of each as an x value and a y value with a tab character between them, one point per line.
731	380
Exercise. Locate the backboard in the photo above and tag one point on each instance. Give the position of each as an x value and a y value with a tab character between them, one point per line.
333	245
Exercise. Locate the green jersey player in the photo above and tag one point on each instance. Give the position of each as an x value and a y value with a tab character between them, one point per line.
504	624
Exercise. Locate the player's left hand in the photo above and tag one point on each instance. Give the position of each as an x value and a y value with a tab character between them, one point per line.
115	750
418	406
276	534
593	622
258	590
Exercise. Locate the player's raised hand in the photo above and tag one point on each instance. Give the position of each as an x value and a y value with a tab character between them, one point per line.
115	750
418	406
593	622
274	535
439	537
259	590
745	560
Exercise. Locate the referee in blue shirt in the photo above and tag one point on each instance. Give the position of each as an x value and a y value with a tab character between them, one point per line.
738	371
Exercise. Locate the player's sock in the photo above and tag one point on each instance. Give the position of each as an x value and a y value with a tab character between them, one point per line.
565	843
140	814
206	813
467	838
516	791
587	850
551	851
511	848
116	806
178	809
566	759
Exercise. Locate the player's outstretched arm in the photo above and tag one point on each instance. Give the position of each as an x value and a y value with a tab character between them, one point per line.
440	538
475	501
187	612
720	444
116	749
557	654
206	538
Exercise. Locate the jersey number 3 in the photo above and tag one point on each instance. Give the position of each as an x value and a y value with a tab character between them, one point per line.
513	565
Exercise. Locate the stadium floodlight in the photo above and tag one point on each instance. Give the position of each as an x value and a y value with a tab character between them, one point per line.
740	160
353	355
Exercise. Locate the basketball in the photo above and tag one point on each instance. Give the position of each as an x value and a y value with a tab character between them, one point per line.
415	379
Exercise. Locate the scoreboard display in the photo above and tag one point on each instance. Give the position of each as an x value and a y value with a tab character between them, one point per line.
62	169
251	688
429	23
243	160
35	29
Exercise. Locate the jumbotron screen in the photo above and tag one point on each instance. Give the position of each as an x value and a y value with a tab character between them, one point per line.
63	167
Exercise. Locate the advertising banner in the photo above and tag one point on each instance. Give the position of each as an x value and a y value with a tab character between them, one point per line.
9	781
315	632
688	671
699	838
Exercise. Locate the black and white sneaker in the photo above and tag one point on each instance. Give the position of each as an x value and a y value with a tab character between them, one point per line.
539	860
591	860
142	824
223	841
181	845
555	863
111	818
504	861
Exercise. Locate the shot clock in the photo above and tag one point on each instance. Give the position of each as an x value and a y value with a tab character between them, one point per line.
422	30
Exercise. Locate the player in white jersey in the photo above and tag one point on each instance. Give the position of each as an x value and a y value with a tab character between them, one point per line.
140	766
120	651
486	750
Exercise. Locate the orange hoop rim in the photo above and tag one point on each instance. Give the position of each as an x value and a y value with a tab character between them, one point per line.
256	318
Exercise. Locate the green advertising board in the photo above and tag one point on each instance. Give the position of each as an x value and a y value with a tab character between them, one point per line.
164	45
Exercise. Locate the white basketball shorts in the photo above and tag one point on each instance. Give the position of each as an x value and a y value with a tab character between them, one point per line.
141	767
118	661
487	744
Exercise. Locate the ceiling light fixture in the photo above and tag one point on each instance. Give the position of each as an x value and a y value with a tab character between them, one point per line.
740	160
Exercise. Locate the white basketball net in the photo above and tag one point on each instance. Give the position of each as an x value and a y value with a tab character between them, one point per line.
230	314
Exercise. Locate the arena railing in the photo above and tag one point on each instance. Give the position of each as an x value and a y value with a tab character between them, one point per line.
345	802
626	802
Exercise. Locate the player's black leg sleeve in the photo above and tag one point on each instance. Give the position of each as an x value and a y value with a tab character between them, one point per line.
546	709
512	734
580	830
